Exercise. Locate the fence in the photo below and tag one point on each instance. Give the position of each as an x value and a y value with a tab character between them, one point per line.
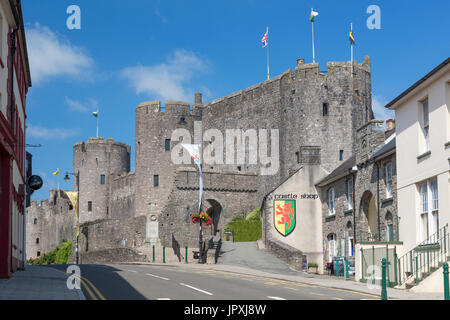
425	258
371	263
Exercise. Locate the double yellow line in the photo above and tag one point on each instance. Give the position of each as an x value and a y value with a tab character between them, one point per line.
93	292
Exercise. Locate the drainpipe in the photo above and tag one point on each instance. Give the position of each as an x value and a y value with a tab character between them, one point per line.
12	101
378	198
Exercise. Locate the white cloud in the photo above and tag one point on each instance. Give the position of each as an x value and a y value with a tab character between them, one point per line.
52	56
379	110
167	80
51	134
89	105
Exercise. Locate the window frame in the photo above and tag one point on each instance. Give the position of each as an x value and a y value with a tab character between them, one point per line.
425	124
102	179
89	206
350	194
156	180
331	200
388	179
167	145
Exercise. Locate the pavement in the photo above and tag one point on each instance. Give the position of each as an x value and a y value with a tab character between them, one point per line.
38	283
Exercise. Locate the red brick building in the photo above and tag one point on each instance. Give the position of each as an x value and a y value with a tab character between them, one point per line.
14	83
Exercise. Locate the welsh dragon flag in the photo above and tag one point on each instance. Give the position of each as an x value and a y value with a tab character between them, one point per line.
313	15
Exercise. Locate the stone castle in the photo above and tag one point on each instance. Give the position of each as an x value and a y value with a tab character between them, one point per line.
314	111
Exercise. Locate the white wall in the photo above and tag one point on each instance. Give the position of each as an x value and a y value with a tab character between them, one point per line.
307	235
411	170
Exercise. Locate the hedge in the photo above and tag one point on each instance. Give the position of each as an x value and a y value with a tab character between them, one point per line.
59	255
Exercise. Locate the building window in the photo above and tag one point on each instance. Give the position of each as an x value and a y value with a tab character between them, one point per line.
89	206
38	253
332	249
434	204
35	221
331	202
425	126
389	227
167	144
429	208
350	193
325	109
37	240
388	180
156	180
297	154
341	155
102	179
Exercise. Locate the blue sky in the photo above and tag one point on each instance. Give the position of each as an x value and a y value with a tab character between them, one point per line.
128	52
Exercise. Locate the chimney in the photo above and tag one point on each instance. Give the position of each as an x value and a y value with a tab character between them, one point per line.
198	98
390	128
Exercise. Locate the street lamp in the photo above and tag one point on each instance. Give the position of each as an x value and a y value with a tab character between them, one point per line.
67	178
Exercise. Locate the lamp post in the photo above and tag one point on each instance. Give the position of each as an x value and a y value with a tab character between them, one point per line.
67	178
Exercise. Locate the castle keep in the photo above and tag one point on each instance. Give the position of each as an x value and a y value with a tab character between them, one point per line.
317	114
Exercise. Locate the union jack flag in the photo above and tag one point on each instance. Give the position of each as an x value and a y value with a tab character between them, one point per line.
265	39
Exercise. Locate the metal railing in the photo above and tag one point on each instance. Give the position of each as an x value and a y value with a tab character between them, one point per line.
425	258
371	259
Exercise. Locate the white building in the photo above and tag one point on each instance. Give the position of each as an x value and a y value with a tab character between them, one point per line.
422	115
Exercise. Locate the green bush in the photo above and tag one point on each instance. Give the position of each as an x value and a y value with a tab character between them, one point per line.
59	255
254	215
312	265
245	230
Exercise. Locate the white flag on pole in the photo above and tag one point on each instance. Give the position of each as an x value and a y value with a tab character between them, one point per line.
194	152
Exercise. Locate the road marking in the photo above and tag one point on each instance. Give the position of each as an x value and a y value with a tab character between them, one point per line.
290	288
131	270
91	294
356	292
155	276
275	298
163	299
194	288
95	289
337	298
316	294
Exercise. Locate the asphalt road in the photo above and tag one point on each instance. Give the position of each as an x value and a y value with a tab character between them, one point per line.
147	282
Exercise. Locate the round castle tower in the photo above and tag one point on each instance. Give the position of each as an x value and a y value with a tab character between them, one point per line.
98	161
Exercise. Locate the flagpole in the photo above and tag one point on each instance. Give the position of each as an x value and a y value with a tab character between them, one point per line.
351	46
97	123
268	70
314	58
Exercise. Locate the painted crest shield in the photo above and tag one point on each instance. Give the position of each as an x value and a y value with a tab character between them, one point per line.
284	216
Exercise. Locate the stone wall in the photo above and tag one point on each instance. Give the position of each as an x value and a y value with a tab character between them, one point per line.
292	256
225	195
153	126
112	233
109	256
51	222
369	187
122	194
92	159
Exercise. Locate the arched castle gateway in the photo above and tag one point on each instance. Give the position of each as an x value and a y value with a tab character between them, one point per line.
308	107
